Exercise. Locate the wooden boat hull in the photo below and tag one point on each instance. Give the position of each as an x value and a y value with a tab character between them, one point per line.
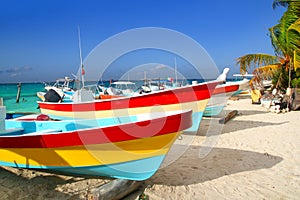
130	151
193	97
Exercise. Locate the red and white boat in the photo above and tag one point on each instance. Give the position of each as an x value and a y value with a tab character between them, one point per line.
194	97
221	95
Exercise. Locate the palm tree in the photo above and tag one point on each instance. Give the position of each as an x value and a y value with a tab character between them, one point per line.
285	38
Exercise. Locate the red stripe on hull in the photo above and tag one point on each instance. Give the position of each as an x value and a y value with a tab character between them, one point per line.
226	89
149	128
164	97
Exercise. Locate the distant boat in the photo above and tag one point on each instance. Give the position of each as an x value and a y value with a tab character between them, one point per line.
122	88
221	95
61	87
223	92
53	95
267	84
244	75
131	150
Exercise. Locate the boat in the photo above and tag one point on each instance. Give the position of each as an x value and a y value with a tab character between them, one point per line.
12	115
221	95
62	87
223	92
96	90
121	88
246	75
194	97
133	150
156	85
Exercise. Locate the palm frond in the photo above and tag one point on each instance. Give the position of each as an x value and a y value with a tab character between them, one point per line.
268	71
283	3
249	62
293	37
283	34
277	44
297	60
285	39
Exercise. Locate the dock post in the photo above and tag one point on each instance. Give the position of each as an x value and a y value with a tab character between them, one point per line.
2	116
19	93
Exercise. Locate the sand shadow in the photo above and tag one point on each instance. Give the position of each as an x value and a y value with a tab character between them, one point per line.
242	125
240	113
243	97
190	169
248	125
249	112
215	128
19	186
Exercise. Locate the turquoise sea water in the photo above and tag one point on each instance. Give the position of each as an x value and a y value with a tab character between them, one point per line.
28	98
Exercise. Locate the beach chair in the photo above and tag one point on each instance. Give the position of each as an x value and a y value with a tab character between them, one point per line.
255	96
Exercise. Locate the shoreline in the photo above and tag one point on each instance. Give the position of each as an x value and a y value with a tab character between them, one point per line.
255	156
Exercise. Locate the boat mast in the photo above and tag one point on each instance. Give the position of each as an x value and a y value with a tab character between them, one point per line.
175	70
81	63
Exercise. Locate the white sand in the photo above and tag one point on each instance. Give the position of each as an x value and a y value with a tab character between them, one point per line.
256	155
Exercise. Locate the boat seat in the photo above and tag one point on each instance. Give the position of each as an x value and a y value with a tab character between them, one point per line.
45	131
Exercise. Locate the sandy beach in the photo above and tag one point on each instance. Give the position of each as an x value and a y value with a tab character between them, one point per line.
256	155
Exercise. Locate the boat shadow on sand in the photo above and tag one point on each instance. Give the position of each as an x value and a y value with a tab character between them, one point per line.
31	184
248	112
212	127
191	169
19	184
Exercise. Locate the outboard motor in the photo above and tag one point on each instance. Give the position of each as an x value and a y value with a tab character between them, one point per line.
52	96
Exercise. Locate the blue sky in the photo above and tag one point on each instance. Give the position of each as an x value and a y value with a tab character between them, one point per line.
39	39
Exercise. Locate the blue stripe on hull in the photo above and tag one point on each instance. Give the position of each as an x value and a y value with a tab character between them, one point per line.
133	170
69	125
197	116
237	92
213	111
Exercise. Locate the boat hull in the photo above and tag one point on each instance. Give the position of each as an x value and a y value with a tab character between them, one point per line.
219	99
191	97
221	95
213	110
131	151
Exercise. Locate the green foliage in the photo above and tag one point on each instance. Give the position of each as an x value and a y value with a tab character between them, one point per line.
280	79
285	38
296	82
251	61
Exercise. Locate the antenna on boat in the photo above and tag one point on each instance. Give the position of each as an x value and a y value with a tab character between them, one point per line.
81	63
145	78
175	70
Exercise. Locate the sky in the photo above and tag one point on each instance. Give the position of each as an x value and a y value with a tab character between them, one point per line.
39	39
